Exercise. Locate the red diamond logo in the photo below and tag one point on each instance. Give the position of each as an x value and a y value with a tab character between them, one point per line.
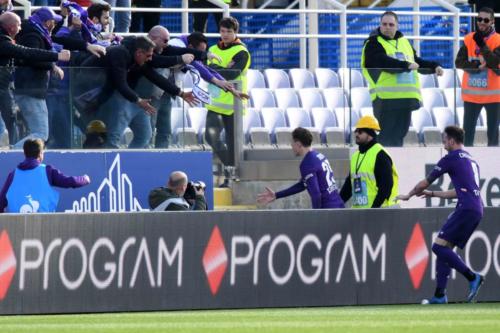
215	260
7	264
416	256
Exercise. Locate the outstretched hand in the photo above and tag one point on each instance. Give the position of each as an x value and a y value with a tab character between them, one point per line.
404	197
266	197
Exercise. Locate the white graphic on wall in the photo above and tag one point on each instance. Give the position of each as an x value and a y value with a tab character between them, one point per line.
32	207
119	190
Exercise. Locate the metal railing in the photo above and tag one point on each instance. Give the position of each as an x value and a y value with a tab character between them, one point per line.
309	31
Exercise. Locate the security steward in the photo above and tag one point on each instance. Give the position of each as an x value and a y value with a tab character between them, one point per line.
234	66
373	180
479	57
389	64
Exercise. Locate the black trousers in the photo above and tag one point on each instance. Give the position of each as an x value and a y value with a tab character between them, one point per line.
213	128
148	20
200	19
7	111
394	124
471	113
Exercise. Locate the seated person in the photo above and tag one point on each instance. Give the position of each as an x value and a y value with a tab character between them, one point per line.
177	193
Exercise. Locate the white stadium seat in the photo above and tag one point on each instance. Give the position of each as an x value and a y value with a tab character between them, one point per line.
427	80
311	98
326	78
335	98
286	98
351	78
276	78
301	78
255	79
262	98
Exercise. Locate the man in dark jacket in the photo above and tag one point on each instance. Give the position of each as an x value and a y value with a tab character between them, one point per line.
390	66
10	24
172	196
493	4
32	77
119	105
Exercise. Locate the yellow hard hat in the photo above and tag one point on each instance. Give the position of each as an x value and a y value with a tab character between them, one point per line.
368	122
96	126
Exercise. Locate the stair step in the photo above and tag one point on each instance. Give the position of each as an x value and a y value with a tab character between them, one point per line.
223	197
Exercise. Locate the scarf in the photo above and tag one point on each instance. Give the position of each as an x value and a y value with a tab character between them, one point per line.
38	25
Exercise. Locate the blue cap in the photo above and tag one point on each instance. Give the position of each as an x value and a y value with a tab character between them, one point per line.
45	14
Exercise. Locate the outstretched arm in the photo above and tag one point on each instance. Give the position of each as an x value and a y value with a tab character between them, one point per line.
417	190
450	194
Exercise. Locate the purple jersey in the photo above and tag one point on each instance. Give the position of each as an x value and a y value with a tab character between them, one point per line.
317	177
464	174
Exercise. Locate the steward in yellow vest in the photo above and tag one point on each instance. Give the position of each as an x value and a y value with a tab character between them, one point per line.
373	179
389	64
234	66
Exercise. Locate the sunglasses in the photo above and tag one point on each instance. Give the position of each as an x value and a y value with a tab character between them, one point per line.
483	19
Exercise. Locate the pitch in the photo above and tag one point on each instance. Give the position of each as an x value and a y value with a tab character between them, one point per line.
452	318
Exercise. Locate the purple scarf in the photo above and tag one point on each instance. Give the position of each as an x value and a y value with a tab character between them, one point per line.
38	24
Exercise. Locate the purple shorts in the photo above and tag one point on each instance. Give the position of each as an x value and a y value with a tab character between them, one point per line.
459	226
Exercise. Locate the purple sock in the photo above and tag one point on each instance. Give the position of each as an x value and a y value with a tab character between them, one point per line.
452	259
442	275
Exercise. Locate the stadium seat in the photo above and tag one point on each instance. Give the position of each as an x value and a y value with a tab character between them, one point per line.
443	116
326	78
366	111
453	97
197	120
431	98
255	79
272	118
360	98
323	118
311	98
262	98
4	139
351	78
427	81
187	138
283	136
346	118
259	137
424	125
276	78
460	75
335	98
448	79
178	120
411	138
301	78
335	136
187	81
286	98
251	119
297	117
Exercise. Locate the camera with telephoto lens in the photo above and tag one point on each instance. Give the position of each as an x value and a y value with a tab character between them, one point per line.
191	189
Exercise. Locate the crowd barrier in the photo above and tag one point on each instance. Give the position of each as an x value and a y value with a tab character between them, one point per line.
73	263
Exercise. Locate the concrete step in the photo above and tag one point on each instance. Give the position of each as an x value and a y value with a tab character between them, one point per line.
223	197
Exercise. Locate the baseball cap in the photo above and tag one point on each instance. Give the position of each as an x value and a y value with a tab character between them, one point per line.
45	14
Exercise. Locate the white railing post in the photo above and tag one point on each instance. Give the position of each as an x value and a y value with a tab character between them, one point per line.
313	42
26	7
416	26
343	30
303	31
185	17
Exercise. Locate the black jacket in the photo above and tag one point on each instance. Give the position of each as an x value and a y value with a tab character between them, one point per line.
383	177
161	194
9	51
32	76
377	60
122	73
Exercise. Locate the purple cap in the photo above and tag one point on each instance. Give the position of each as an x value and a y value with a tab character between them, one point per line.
45	14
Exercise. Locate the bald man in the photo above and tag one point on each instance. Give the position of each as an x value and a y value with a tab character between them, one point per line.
171	197
10	25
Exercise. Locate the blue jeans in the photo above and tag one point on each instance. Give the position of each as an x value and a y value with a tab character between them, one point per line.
161	120
121	19
118	114
35	113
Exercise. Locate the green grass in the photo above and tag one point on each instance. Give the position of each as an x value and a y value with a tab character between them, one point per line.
452	318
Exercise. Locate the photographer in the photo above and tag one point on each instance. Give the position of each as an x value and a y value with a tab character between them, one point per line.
178	195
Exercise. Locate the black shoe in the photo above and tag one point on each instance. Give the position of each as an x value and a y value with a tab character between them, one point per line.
224	184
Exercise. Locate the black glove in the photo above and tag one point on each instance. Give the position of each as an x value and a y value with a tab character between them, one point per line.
478	38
